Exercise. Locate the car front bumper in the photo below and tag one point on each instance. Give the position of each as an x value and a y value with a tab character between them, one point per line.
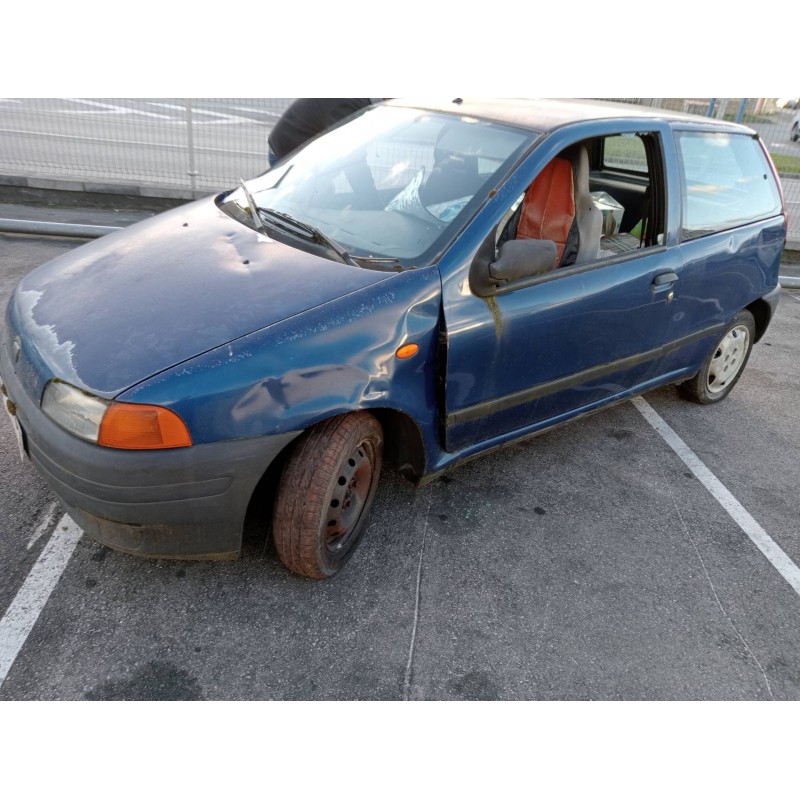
182	503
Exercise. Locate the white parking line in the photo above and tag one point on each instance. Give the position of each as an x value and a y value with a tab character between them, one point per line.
109	109
18	621
114	142
224	119
785	566
266	111
44	525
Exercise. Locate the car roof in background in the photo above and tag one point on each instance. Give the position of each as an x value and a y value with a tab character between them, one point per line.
548	114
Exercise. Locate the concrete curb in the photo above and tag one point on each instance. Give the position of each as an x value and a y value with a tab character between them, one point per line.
97	188
55	228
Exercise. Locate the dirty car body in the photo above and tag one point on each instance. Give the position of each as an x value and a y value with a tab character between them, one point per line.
429	281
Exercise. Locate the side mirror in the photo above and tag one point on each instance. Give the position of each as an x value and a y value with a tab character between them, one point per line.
524	258
518	259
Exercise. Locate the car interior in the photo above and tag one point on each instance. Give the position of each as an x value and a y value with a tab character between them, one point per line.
598	199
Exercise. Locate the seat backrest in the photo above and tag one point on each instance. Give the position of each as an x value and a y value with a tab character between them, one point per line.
588	217
548	209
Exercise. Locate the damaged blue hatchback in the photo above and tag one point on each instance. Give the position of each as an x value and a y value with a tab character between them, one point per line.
421	284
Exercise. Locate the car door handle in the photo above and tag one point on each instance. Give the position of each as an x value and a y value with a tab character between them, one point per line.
664	279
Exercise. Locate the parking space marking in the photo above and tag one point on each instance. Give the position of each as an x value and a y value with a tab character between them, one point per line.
18	621
224	119
114	142
794	296
774	554
107	108
266	111
44	525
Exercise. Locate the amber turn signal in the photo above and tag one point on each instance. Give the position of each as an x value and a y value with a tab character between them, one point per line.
130	426
407	350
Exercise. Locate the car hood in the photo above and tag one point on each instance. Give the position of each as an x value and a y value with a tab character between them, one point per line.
122	308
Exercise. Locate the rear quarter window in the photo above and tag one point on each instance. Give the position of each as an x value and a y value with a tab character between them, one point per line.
727	181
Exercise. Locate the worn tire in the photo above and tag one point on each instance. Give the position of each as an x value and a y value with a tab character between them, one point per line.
725	363
325	493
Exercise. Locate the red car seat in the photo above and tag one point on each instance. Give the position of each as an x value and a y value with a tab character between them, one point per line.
548	209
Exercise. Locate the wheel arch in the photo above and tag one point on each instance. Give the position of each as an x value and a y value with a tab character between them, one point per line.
762	314
404	446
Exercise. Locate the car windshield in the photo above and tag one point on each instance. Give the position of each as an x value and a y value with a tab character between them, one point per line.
393	184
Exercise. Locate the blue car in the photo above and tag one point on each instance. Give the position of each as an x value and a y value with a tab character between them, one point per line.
421	284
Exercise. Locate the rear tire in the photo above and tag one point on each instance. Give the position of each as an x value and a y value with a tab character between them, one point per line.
795	134
725	363
325	494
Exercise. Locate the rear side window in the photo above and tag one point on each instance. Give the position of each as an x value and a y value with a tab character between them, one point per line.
728	182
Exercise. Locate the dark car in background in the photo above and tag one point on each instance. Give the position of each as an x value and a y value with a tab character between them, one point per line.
422	284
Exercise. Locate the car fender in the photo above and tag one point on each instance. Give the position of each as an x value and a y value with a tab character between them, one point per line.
335	358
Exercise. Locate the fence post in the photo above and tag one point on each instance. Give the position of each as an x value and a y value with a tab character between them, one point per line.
192	172
742	107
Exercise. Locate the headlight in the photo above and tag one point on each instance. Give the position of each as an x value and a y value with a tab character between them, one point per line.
78	412
126	426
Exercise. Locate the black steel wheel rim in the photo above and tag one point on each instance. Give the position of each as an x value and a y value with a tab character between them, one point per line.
351	493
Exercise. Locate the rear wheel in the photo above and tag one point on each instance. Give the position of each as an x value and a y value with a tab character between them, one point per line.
325	493
725	364
795	132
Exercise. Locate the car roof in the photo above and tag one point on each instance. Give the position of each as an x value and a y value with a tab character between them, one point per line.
547	114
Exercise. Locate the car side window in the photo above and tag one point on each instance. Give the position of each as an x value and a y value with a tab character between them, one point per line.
601	198
727	180
627	184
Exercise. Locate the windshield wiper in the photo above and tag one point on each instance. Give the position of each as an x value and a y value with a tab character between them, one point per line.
252	207
316	234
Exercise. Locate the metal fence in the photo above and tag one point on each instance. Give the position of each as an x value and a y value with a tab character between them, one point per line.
179	146
190	147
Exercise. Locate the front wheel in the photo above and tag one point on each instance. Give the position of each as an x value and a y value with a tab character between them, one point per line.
795	134
725	363
325	493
